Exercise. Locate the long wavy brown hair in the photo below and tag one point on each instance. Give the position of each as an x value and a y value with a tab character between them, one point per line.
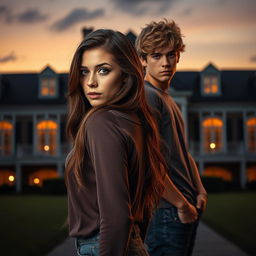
131	97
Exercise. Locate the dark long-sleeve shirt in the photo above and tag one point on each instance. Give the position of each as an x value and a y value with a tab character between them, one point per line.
171	129
113	150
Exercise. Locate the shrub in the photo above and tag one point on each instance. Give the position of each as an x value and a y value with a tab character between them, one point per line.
251	185
6	189
54	186
213	184
31	189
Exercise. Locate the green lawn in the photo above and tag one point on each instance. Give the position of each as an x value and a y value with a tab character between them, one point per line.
31	225
234	216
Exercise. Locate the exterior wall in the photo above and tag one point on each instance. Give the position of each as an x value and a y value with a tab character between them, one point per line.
234	149
25	157
233	161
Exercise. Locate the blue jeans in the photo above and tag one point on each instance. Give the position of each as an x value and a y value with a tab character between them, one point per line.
90	246
167	236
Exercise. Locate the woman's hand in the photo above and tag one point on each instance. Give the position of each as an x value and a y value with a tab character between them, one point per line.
187	213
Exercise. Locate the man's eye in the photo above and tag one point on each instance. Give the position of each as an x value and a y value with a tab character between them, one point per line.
156	56
171	54
104	71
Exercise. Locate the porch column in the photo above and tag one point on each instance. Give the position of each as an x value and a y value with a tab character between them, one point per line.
243	178
60	169
18	178
201	167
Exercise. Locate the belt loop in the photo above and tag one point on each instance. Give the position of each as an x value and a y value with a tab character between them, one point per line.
76	243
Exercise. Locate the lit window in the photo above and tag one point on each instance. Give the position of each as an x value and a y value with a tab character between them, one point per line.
47	136
215	171
210	84
6	134
212	131
7	177
48	87
251	134
251	173
37	178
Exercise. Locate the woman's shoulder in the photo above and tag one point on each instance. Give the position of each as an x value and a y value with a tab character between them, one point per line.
103	125
100	119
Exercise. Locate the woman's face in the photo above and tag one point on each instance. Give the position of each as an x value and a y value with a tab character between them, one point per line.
101	76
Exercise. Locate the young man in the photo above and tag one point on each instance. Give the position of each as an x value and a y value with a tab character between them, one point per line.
173	228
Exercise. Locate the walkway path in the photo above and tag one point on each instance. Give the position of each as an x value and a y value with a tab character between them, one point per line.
208	243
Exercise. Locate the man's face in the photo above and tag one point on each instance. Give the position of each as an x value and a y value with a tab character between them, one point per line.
161	66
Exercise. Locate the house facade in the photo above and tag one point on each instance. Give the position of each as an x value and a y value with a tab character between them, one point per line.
218	106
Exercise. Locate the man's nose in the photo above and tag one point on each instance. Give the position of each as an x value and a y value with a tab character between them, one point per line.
165	61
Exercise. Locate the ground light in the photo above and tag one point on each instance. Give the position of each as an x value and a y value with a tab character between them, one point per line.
11	178
212	145
46	148
36	181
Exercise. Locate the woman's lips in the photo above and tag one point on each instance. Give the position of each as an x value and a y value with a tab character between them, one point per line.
93	95
166	72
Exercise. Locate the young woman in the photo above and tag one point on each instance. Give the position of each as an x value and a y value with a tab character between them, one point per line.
115	171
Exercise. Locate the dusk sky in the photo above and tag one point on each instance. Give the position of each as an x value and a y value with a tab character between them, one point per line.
38	33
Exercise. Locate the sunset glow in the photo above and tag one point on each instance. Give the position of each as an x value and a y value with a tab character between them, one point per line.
39	33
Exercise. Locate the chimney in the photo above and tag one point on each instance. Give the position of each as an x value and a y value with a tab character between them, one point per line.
86	31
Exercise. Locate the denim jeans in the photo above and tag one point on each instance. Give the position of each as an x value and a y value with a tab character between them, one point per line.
167	236
90	246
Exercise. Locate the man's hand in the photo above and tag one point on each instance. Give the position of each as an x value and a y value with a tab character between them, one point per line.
201	201
187	213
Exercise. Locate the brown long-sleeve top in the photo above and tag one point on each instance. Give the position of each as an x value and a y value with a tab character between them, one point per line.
113	153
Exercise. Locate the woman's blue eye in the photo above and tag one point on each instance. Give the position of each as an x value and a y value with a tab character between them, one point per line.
104	71
84	72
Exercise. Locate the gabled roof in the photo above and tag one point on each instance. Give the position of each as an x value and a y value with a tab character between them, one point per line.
236	86
22	89
131	36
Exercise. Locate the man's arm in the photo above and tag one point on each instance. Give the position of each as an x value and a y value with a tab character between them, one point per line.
201	192
186	211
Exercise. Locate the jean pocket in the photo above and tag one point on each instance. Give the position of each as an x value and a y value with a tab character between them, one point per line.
87	248
175	216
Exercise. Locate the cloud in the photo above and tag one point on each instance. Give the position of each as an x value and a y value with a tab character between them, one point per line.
5	13
31	15
188	11
141	7
27	16
253	58
8	58
76	16
3	9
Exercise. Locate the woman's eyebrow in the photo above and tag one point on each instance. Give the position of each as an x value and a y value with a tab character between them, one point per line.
99	65
103	64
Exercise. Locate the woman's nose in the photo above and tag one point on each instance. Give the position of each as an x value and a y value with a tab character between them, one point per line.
92	81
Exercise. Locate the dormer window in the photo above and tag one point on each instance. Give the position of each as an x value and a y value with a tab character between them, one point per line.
48	87
48	84
6	137
210	84
210	81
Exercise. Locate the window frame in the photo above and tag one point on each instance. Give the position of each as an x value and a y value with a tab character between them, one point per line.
50	76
